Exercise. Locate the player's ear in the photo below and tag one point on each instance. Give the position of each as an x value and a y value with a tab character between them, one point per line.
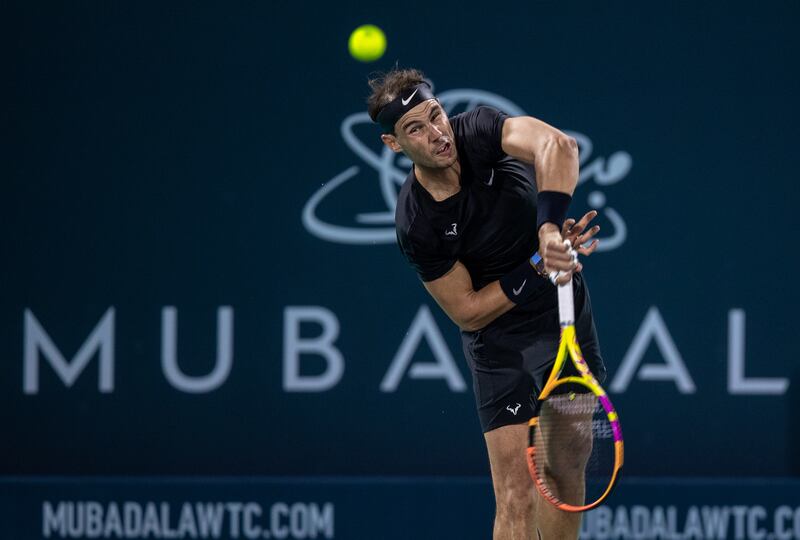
391	141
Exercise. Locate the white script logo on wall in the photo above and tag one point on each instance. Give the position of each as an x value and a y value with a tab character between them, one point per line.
378	227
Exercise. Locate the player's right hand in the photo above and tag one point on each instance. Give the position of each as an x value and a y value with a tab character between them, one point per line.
557	255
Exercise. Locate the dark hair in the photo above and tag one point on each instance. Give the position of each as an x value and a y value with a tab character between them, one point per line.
387	86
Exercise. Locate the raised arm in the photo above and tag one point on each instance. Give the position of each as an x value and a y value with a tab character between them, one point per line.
554	156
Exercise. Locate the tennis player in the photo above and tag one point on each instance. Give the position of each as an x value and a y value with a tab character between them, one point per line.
485	193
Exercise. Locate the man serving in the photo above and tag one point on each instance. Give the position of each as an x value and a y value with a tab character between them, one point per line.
486	192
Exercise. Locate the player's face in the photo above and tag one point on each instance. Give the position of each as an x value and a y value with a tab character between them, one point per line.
425	136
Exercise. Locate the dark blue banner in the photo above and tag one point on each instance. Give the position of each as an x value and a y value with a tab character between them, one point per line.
199	267
386	508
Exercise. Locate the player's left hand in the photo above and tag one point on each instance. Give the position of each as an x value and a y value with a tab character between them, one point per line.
578	234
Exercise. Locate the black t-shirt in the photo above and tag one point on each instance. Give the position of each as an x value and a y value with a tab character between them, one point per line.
490	225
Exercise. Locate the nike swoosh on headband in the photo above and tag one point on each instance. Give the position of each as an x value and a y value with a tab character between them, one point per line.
405	101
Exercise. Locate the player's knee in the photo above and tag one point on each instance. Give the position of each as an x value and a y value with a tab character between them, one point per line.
516	500
514	491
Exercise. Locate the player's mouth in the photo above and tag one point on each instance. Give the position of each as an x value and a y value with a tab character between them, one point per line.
443	150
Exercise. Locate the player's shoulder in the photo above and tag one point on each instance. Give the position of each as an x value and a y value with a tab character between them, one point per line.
471	121
479	133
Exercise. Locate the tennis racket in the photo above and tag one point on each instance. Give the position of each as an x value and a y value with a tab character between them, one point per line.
575	448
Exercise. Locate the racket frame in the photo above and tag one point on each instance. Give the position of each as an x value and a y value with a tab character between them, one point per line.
568	347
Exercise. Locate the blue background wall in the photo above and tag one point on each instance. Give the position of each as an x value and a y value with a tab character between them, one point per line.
164	155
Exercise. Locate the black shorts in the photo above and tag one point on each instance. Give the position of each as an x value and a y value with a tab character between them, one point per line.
511	358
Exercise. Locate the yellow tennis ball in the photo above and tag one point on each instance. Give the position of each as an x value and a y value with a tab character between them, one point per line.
367	43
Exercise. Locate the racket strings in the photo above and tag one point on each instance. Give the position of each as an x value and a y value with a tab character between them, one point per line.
574	448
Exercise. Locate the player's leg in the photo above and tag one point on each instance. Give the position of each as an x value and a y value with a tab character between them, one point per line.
566	442
503	392
514	492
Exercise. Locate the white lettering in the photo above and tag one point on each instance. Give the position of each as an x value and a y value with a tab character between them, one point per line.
186	523
94	519
602	521
132	513
653	328
36	339
252	511
694	526
169	346
166	531
113	522
754	530
658	525
279	530
209	519
298	520
640	521
782	515
423	326
322	345
150	524
716	521
234	509
739	514
737	383
75	515
622	526
321	521
53	521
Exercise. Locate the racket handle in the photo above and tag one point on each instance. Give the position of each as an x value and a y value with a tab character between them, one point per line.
566	308
566	304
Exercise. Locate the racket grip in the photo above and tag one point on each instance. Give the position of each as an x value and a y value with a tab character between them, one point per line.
566	304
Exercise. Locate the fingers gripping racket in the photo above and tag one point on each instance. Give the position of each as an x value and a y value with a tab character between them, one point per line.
575	448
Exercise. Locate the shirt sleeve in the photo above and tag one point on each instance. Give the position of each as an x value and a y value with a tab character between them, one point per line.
428	264
484	127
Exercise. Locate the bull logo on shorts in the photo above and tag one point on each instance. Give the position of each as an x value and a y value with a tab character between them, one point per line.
514	409
376	225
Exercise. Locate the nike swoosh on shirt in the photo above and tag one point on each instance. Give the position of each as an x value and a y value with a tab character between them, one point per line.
517	291
491	179
406	101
